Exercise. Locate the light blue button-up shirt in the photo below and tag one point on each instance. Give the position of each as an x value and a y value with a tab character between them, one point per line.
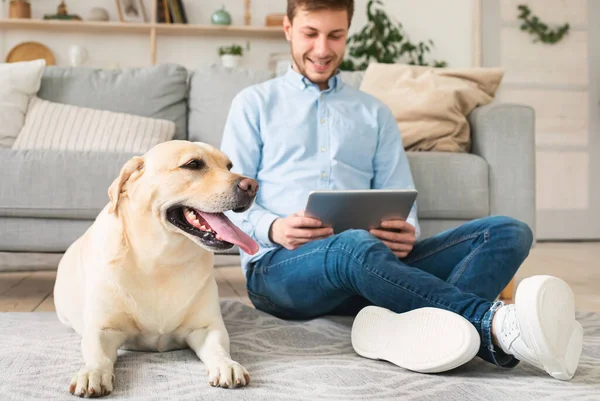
293	138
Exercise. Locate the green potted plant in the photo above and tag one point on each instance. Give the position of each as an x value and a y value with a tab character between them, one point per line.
231	56
382	40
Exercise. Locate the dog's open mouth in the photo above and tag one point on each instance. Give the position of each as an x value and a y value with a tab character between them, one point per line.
214	230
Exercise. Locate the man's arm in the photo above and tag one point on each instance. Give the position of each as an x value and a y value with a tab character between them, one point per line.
243	145
392	170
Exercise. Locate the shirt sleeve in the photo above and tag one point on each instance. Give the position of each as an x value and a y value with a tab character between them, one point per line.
391	167
242	144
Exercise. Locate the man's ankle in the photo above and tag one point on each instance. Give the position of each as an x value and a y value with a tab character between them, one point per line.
496	326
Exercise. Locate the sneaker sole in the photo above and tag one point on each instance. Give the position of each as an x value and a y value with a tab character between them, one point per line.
545	308
425	340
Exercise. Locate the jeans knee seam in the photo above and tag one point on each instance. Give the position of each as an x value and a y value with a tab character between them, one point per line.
446	246
463	267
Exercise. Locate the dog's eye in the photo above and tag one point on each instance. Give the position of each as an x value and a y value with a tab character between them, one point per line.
194	164
229	166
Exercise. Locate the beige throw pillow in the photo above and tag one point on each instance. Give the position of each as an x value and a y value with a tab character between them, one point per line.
431	105
19	82
58	126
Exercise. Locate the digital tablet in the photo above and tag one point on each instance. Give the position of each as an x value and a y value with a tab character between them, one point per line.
359	209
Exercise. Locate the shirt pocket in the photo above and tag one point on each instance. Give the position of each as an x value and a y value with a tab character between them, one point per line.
356	141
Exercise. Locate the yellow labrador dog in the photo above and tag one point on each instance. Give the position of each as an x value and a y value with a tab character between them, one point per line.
141	277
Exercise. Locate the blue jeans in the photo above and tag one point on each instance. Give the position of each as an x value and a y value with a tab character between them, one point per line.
462	270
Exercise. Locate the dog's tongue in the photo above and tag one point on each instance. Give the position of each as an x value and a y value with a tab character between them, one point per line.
229	232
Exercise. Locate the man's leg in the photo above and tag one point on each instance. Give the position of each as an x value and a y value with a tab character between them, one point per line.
351	270
326	275
480	257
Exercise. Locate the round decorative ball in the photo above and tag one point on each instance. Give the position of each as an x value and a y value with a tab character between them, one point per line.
98	14
221	17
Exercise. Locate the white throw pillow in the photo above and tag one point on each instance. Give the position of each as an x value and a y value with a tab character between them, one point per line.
60	126
18	83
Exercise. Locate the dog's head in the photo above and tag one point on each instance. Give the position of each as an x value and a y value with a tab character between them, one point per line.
188	186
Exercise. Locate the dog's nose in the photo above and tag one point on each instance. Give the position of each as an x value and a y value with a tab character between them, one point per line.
248	185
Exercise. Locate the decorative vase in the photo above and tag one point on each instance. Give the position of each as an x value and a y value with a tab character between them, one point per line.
231	61
98	14
19	9
78	55
221	17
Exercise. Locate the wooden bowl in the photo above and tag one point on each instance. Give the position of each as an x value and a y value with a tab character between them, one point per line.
28	51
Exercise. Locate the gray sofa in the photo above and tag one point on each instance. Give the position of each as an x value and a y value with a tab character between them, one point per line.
48	199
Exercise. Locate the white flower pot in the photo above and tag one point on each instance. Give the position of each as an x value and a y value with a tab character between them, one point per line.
230	60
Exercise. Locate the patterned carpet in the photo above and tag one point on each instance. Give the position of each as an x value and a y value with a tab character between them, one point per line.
311	360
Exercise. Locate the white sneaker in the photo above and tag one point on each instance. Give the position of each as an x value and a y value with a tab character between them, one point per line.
540	328
426	340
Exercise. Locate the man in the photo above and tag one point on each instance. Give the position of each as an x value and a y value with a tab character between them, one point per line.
307	130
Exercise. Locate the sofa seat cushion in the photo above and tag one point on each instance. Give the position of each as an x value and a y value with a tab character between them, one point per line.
74	185
51	184
450	185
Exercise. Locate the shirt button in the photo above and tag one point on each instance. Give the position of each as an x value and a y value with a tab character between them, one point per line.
322	121
324	175
323	149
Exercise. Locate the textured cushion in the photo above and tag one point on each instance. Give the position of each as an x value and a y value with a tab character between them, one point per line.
57	184
212	89
158	91
57	126
431	105
450	185
18	83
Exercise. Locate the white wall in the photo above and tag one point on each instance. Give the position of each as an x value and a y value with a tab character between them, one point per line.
447	23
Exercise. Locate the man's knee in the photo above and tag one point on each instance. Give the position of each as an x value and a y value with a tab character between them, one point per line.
356	237
517	234
358	243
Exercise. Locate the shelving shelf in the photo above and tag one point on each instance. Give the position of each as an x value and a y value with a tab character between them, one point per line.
153	30
126	27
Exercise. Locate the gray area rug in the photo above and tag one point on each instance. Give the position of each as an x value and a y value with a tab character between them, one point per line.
310	360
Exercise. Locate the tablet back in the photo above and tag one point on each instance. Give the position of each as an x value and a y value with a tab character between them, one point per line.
359	209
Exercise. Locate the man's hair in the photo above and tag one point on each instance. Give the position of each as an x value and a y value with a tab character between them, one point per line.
315	5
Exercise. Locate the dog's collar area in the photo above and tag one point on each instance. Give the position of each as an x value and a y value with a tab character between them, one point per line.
208	237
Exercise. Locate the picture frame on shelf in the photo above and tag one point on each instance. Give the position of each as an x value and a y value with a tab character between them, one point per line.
131	11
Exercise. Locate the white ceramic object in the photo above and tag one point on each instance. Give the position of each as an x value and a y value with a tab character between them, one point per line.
98	14
78	55
230	60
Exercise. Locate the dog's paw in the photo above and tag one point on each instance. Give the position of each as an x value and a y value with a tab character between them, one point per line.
228	374
92	383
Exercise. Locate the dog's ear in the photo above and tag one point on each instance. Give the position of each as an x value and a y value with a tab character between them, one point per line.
136	163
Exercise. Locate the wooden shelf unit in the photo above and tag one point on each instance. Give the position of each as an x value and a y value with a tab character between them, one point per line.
152	29
126	27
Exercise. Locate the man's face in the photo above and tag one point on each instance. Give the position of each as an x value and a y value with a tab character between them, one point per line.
318	41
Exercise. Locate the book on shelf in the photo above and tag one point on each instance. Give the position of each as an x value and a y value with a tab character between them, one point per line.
171	12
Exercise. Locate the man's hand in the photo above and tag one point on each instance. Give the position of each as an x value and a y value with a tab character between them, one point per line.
398	235
296	230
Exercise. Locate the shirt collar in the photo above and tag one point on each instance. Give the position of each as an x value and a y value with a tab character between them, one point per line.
302	82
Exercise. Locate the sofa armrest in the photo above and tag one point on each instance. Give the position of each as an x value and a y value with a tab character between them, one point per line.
504	135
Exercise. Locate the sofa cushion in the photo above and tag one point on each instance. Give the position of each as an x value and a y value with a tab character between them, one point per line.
158	91
212	89
352	78
58	126
19	82
431	104
450	185
52	184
